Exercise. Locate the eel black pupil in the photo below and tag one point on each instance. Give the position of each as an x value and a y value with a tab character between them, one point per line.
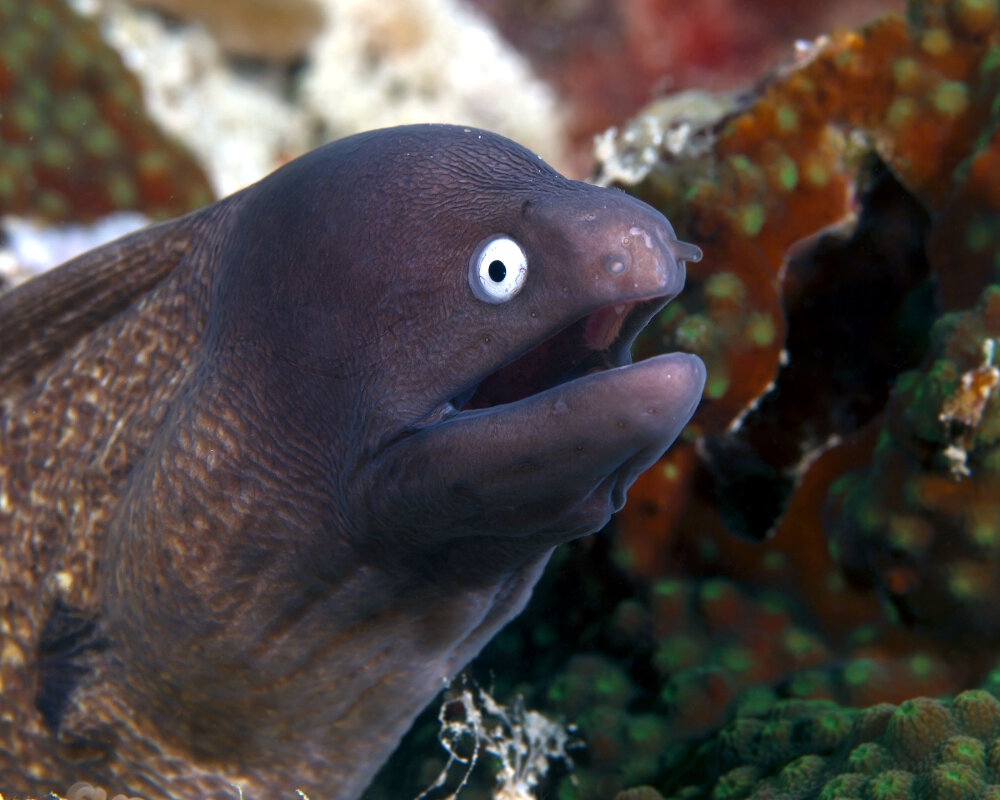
497	271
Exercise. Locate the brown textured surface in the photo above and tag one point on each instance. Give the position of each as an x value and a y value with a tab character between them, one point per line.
58	493
279	30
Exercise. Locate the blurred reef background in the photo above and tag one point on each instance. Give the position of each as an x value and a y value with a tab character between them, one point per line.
802	599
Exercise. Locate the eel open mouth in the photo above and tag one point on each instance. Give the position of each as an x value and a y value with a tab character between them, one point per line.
599	341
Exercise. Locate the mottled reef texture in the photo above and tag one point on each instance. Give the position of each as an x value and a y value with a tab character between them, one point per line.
609	59
849	214
75	142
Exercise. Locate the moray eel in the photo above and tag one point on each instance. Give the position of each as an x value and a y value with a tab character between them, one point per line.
271	473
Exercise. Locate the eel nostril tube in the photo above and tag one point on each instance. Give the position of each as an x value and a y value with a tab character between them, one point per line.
684	251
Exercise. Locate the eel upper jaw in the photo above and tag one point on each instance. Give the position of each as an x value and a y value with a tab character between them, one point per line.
596	342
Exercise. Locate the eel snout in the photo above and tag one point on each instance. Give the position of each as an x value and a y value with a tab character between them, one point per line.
550	442
628	269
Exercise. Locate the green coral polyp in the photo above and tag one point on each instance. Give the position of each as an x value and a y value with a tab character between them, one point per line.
980	235
751	219
736	784
677	653
77	111
737	660
725	286
921	665
122	190
990	60
801	643
967	582
955	782
717	384
787	172
950	98
917	726
906	73
669	588
787	118
55	153
977	712
744	168
936	42
860	671
816	174
842	787
697	332
868	758
802	774
760	329
965	750
891	785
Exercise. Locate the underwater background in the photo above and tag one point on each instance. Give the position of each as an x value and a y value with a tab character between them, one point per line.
801	599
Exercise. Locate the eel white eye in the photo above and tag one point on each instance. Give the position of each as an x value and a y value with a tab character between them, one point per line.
497	269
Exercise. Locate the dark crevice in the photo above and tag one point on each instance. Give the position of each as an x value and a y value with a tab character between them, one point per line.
859	305
68	638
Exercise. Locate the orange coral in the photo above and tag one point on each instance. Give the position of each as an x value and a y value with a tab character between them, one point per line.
782	169
922	520
918	93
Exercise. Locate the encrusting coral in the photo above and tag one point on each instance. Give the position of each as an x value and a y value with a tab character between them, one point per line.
871	155
75	143
843	207
279	30
607	59
923	521
921	748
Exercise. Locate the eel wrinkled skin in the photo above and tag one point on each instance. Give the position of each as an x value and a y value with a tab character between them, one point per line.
272	472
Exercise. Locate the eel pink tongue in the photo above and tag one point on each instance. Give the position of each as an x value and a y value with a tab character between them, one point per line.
603	326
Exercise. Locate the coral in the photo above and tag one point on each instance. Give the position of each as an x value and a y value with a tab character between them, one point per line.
524	743
277	30
842	205
644	675
922	748
237	122
922	521
768	175
368	66
425	61
917	727
608	59
30	248
74	141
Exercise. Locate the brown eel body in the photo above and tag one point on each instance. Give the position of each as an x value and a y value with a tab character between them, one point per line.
273	472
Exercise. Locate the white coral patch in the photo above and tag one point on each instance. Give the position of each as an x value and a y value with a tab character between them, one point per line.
405	61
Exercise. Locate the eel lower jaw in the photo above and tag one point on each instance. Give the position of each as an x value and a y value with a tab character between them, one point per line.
551	466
